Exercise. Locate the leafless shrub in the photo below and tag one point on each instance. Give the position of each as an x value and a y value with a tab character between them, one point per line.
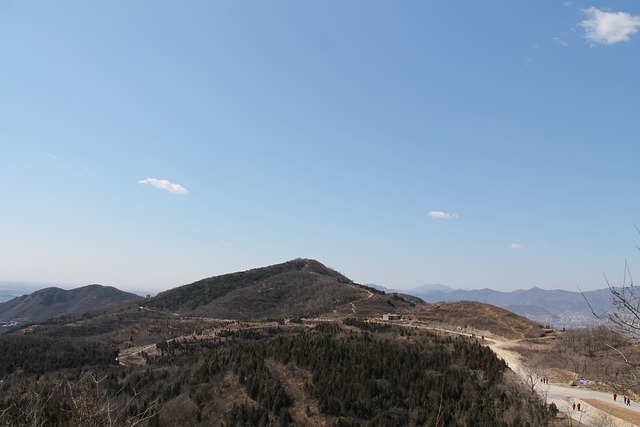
84	403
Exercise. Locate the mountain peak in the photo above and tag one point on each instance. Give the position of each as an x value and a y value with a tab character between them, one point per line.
298	288
54	302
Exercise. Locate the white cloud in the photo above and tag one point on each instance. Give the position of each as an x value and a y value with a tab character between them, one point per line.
609	27
560	42
52	156
516	246
163	184
442	215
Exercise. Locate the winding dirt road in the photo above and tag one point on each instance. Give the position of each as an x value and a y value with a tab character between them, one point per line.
597	408
613	413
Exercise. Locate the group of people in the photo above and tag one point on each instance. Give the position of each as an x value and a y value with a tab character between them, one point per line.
627	401
544	380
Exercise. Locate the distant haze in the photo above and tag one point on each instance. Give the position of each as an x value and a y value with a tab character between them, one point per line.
10	290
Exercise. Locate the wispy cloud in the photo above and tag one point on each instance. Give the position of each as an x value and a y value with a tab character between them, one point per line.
560	42
609	27
52	156
445	216
163	184
516	246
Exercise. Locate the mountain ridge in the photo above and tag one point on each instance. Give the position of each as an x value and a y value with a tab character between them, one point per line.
296	288
558	308
52	302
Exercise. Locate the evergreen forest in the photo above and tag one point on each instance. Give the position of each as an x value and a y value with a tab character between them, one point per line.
349	373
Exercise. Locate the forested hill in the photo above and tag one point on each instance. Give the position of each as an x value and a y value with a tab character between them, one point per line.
54	302
348	373
297	288
221	352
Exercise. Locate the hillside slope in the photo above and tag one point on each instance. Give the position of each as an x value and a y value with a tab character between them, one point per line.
217	352
478	317
54	302
297	288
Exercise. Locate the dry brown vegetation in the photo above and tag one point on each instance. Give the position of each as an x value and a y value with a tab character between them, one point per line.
55	302
478	318
198	352
616	410
304	410
604	358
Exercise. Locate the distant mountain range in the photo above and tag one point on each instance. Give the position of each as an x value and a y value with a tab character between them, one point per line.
302	286
557	308
54	302
296	290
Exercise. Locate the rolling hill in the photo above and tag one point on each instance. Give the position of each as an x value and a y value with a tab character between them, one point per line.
478	318
54	302
297	288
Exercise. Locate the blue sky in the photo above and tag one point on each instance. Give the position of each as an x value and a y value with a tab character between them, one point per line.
150	144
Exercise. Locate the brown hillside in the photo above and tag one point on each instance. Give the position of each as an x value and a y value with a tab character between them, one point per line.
297	289
301	288
53	302
298	293
479	318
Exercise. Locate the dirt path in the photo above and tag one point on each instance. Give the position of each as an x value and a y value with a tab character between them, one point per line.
353	304
133	356
596	408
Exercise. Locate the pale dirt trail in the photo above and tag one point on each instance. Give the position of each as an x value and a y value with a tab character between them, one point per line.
564	396
353	304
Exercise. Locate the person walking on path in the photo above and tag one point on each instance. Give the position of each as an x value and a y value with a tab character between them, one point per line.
614	397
